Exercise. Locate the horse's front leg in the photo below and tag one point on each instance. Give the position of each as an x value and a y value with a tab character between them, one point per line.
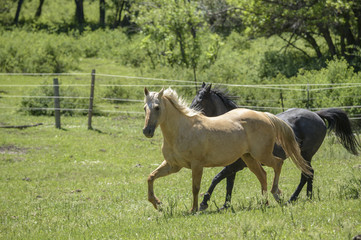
197	172
163	170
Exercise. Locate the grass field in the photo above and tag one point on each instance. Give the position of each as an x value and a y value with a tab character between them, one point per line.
80	184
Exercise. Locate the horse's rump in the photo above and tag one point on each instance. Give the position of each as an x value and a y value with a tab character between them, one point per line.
286	138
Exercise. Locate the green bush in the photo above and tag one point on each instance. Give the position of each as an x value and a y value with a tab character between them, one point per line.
43	99
287	64
115	94
23	51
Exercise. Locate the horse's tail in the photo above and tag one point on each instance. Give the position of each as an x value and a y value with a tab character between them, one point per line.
339	122
286	138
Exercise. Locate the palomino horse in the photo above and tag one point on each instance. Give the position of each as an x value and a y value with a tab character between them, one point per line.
309	127
194	141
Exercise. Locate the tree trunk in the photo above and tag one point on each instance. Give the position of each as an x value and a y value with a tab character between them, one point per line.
181	47
40	7
357	12
79	12
311	40
18	9
327	36
348	41
343	45
118	14
102	13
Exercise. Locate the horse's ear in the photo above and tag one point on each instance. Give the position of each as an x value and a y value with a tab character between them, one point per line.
146	92
203	84
160	94
208	88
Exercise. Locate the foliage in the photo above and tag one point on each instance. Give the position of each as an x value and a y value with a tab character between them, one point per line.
305	20
286	64
221	17
43	101
116	94
22	51
336	72
173	31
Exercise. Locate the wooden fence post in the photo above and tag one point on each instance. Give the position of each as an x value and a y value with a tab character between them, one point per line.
91	100
281	96
308	97
56	103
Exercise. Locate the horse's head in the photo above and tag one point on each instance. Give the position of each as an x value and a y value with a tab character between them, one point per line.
203	100
153	111
212	102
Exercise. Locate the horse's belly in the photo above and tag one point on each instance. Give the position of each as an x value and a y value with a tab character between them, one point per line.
226	149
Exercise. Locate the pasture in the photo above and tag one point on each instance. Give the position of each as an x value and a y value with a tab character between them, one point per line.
75	183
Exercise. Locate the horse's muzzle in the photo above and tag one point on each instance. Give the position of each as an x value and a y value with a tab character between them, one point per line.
148	132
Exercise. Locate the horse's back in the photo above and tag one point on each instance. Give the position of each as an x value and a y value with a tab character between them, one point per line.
251	125
235	133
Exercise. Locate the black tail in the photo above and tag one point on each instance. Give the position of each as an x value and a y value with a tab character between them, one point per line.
339	122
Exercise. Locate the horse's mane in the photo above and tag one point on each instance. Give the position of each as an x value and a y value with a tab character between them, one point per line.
225	96
179	103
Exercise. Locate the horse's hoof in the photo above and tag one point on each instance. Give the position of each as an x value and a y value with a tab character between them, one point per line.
224	207
156	203
203	207
193	210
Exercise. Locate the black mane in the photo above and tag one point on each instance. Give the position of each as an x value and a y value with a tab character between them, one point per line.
225	96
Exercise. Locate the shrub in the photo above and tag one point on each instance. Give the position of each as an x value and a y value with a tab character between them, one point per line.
42	102
37	52
115	94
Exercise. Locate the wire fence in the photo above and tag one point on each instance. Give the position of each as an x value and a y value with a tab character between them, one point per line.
141	82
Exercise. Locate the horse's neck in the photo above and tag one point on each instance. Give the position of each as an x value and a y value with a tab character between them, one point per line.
174	121
220	106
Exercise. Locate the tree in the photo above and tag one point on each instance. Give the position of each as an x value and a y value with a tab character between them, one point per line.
221	17
18	10
122	13
79	12
39	9
335	21
102	13
173	31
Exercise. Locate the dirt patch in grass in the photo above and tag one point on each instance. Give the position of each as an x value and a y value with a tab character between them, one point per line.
12	149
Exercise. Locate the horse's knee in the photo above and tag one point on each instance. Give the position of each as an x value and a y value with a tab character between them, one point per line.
151	178
196	189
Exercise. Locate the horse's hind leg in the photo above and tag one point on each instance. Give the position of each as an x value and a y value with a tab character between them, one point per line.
277	167
163	170
304	179
256	168
310	183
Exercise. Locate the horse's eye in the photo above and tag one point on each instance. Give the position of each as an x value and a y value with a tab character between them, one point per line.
157	108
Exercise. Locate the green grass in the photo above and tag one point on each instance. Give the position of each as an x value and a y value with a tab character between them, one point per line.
80	184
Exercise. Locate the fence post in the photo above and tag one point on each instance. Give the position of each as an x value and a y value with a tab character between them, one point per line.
91	99
281	96
56	103
308	96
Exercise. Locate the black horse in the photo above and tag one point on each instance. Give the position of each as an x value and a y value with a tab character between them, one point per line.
309	127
